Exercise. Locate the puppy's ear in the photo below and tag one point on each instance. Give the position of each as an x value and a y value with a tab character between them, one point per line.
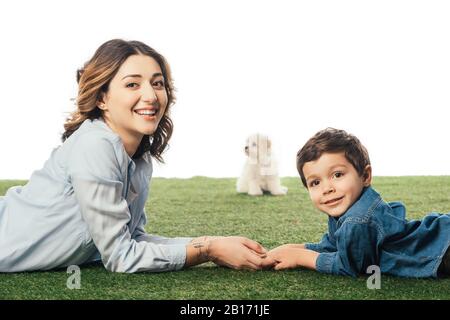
264	145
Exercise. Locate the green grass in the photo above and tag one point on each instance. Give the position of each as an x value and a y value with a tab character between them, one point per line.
206	206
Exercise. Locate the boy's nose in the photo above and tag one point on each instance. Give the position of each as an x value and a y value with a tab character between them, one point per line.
328	188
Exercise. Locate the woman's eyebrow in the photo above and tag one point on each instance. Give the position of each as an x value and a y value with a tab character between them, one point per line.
157	74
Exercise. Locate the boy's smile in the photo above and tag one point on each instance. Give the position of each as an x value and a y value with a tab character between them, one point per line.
333	201
333	183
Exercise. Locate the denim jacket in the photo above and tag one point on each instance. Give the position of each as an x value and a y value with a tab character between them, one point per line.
86	204
373	232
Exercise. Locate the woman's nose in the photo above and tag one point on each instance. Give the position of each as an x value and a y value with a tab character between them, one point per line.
149	94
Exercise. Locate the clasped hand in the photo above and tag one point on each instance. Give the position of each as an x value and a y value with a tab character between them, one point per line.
243	253
239	253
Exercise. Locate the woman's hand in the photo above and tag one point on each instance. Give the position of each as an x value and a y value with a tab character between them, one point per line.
238	253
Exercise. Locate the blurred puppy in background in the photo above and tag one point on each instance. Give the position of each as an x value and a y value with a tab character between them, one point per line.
260	172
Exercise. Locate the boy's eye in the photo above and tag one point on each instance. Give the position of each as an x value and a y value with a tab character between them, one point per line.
338	174
314	183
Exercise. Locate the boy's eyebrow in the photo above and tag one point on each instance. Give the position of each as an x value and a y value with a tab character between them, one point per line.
331	169
157	74
337	166
310	177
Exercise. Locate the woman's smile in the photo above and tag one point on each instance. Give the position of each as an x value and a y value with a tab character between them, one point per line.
148	114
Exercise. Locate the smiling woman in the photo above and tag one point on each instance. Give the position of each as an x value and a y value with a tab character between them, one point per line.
132	61
135	103
87	203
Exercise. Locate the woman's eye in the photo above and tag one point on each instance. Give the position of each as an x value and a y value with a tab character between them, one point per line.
132	85
158	84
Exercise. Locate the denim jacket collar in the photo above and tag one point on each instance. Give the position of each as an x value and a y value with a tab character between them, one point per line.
369	198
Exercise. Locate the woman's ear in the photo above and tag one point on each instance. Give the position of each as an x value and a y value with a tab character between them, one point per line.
367	175
101	102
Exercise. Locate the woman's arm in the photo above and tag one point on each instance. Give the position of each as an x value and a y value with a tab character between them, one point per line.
198	250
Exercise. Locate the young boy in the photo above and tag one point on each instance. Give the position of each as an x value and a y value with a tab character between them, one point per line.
363	230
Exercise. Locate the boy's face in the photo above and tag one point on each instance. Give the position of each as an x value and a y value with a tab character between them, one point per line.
334	184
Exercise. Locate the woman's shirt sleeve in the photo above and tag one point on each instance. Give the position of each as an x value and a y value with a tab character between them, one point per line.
357	248
95	172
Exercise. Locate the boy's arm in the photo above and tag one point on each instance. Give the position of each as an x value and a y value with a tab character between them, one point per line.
293	256
356	250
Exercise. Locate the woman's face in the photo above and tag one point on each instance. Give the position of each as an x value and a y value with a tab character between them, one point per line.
136	99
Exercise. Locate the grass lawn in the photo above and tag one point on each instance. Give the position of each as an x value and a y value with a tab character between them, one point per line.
206	206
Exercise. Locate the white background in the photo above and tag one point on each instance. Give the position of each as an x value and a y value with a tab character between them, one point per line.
378	69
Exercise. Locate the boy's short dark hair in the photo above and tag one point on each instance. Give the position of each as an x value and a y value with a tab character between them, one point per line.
333	141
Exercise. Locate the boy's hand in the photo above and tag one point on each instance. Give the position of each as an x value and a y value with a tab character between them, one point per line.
286	256
291	256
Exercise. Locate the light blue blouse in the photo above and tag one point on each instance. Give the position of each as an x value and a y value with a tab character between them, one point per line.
85	204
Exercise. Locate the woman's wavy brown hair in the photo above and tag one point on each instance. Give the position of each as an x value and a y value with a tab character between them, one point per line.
94	79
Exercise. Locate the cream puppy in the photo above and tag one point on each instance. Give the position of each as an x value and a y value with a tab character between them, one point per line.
260	170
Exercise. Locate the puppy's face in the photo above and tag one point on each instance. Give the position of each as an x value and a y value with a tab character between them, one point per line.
257	147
